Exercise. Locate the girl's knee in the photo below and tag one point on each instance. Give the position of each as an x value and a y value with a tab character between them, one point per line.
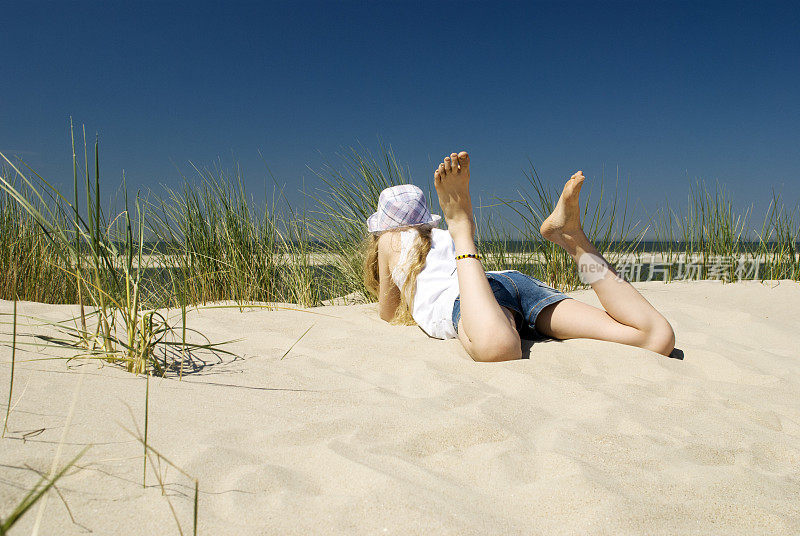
660	338
502	347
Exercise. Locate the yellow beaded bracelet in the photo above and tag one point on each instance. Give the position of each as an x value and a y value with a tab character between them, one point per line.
468	256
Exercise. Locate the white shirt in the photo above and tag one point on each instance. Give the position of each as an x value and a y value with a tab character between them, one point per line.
437	283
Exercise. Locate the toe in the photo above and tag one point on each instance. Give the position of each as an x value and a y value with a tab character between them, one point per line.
463	160
442	171
448	167
454	161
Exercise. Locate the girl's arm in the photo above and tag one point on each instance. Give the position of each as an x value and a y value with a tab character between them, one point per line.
388	293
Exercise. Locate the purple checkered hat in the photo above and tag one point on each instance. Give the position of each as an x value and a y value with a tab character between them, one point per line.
401	206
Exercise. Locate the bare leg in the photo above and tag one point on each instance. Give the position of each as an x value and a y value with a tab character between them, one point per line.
628	317
486	329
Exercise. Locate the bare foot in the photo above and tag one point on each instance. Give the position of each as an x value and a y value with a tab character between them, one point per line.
564	223
451	180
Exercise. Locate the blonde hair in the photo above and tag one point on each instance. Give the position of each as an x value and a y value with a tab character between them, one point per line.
414	265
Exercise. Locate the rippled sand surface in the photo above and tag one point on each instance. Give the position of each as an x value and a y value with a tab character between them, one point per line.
367	428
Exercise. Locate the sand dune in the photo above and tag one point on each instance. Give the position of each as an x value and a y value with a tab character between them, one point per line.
367	428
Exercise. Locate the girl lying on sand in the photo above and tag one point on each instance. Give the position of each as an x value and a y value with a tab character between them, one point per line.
435	278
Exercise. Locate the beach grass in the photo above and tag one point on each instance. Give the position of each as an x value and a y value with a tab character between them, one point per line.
102	258
35	494
156	459
208	241
31	267
13	363
778	240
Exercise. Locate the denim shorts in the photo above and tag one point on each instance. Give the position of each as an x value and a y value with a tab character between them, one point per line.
523	294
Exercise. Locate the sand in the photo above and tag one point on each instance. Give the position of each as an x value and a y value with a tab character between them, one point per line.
368	428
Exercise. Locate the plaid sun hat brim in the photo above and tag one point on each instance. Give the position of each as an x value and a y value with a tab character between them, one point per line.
375	225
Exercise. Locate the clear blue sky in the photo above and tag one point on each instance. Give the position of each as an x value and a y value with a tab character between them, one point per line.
667	92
